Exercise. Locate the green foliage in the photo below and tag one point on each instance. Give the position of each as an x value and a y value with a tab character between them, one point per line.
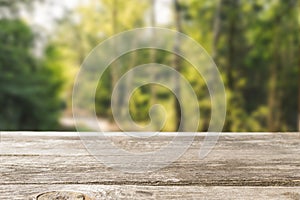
255	44
29	88
257	51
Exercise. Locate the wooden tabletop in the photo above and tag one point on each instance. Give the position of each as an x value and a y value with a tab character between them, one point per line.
241	166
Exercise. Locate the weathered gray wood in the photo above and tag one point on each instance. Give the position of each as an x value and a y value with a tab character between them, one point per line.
245	164
62	195
104	192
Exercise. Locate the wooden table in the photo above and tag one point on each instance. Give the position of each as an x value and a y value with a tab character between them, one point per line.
241	166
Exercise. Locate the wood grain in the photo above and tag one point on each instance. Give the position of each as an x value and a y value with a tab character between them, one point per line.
263	165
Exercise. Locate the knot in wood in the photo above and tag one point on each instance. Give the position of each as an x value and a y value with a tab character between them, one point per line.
62	195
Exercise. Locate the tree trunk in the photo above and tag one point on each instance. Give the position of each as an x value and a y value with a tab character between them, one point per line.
179	123
216	30
153	91
153	51
115	67
114	71
153	35
234	8
272	99
273	93
299	92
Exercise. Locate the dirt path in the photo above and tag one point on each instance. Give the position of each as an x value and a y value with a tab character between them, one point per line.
90	124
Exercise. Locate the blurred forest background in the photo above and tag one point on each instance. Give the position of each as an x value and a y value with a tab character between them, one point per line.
255	44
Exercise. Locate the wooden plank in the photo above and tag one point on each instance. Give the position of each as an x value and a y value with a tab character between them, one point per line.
33	163
99	192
